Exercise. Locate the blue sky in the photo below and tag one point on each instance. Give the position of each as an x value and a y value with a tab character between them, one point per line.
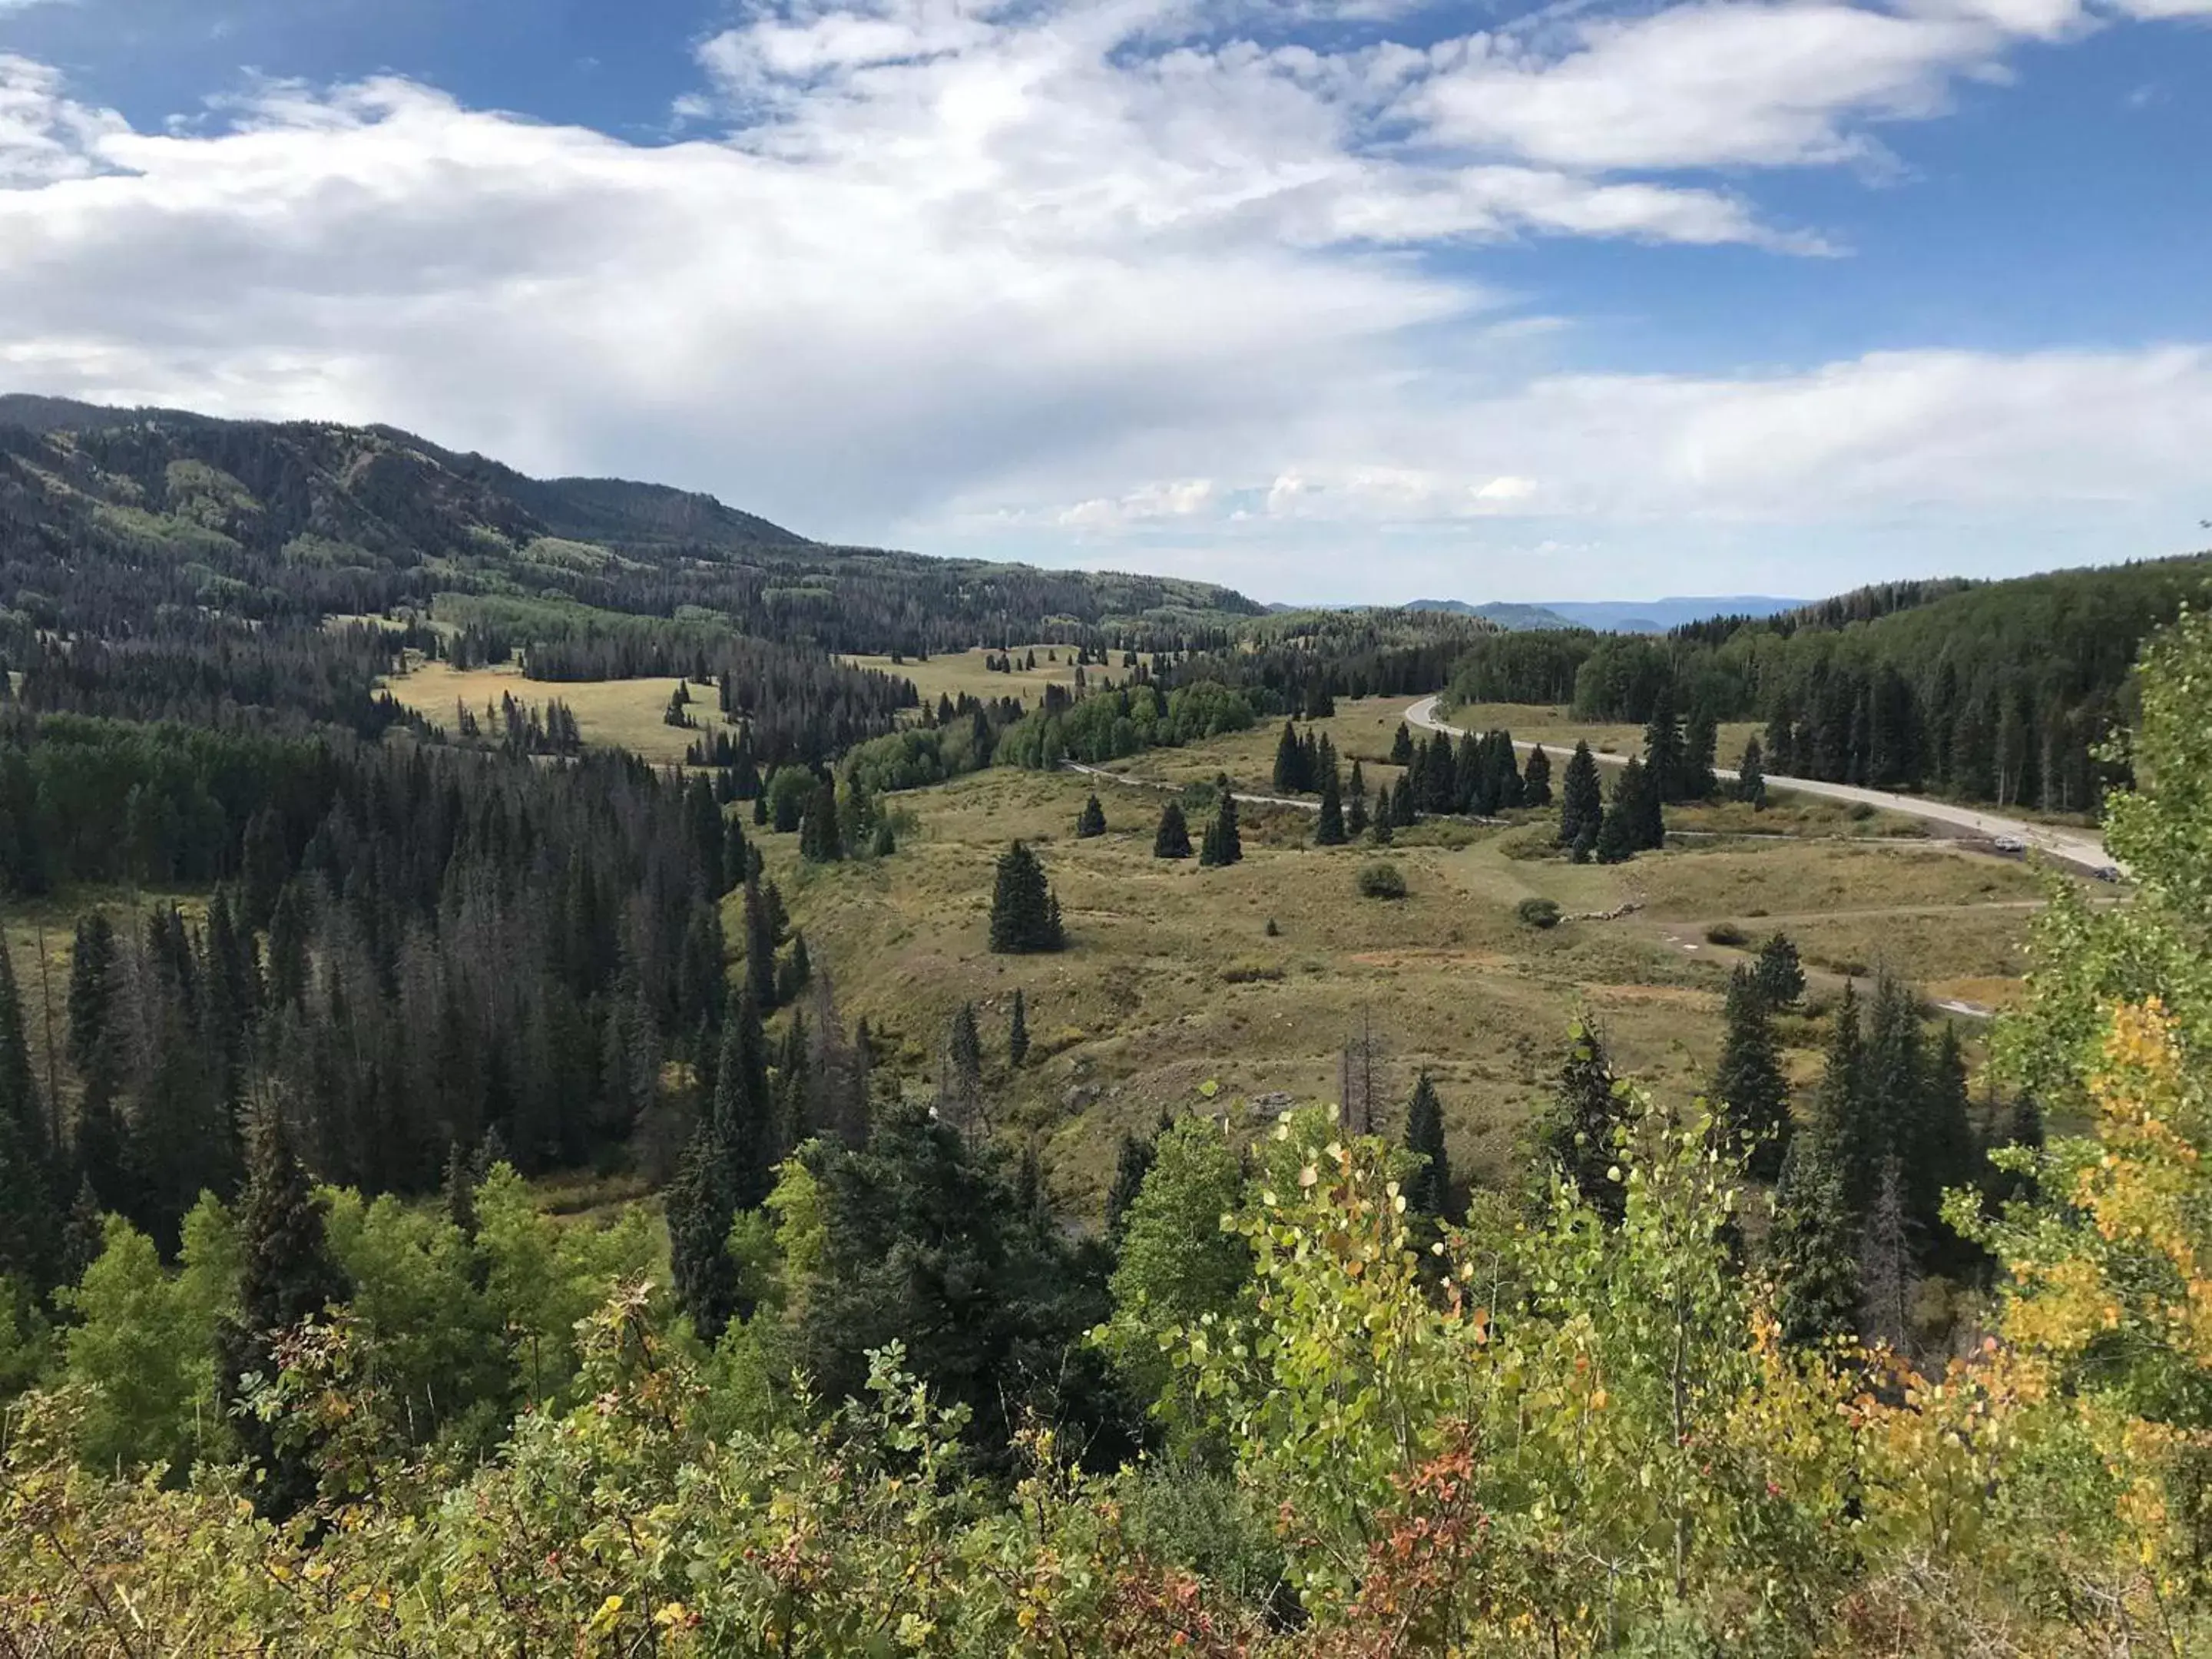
1352	301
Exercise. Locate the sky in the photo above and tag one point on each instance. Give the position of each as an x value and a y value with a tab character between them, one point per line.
1332	301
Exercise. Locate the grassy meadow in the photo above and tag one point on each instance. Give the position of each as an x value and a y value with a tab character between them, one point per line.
617	713
1173	995
950	674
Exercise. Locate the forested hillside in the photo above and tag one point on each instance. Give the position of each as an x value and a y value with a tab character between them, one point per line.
302	519
2002	691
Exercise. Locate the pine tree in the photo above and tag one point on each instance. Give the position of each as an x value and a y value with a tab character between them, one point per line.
885	841
30	1206
1886	1256
1751	775
1620	835
1943	1150
795	1085
1222	844
1291	776
1173	840
763	934
1895	1102
1405	802
287	1276
1429	1190
1025	913
1813	1247
1700	741
1662	747
1842	1106
1355	821
1581	1133
1778	974
746	1134
1581	804
1401	747
1329	829
820	838
1017	1032
1748	1090
1536	779
962	1089
701	1210
1091	822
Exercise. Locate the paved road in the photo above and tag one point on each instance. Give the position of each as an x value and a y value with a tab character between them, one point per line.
2083	848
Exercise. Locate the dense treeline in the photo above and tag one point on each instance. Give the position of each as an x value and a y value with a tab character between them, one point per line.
2003	692
413	948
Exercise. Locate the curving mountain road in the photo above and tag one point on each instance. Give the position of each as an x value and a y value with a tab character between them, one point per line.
2082	849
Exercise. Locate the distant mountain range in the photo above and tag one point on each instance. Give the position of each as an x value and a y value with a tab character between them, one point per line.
1615	616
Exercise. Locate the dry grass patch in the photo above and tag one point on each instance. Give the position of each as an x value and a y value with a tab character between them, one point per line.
952	673
614	713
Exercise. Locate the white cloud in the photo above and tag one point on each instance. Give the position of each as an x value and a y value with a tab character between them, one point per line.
1038	276
1724	83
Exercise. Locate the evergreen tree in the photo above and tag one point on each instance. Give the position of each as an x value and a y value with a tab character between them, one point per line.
1620	834
1329	829
1751	775
1581	1132
1663	759
820	841
288	948
1024	913
1428	1190
1536	779
1222	844
1842	1106
1896	1088
1700	739
287	1276
885	842
1778	973
1405	803
1813	1247
701	1209
1749	1089
1092	821
1017	1032
962	1090
30	1208
1885	1257
1401	747
1581	804
763	933
1355	821
745	1121
1173	840
1944	1153
1290	775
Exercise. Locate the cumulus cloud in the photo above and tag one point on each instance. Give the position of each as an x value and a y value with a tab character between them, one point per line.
1092	269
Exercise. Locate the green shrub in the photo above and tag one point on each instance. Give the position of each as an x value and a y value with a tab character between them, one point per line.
1538	913
1726	932
1382	881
